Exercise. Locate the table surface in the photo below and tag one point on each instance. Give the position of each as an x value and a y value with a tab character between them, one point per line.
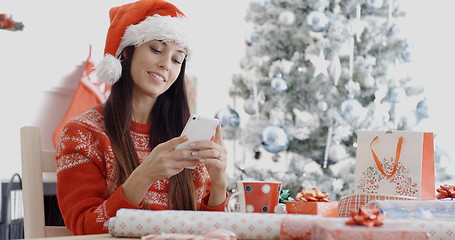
85	237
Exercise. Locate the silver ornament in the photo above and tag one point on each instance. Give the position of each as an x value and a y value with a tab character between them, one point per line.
351	109
369	81
374	4
228	117
286	18
322	106
246	63
406	55
250	106
251	37
278	85
317	21
274	139
337	152
265	4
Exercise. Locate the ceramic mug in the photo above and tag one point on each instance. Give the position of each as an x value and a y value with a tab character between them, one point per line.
256	196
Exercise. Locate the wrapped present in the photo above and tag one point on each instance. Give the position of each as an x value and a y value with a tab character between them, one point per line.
389	230
355	201
324	209
424	209
312	202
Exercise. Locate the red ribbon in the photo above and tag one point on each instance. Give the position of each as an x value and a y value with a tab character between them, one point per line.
366	217
446	191
397	157
312	195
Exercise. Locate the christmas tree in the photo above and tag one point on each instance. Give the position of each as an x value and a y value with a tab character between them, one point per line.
314	72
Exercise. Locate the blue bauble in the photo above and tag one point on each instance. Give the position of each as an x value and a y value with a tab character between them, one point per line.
274	139
278	85
265	4
374	4
317	21
351	109
406	55
228	117
251	37
422	109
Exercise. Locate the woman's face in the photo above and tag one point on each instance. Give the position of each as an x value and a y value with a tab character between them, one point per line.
155	66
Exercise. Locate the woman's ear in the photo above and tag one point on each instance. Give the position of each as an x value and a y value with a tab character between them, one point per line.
125	53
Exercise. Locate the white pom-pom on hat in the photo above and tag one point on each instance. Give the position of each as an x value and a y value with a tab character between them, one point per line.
109	70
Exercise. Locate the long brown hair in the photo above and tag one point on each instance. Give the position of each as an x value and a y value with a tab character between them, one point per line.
168	117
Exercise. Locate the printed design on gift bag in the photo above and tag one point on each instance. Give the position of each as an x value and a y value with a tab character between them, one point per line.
390	170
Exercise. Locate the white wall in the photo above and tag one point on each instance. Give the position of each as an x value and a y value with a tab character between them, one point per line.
39	66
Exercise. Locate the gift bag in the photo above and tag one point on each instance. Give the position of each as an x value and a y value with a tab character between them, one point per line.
396	163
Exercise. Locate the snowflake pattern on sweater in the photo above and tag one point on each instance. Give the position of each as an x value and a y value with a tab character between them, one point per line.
87	174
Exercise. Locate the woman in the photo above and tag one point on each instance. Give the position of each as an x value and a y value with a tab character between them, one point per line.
121	154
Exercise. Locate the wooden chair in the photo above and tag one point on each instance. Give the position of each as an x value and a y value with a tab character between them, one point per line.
35	162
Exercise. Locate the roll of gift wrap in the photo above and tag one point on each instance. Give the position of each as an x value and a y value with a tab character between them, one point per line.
138	223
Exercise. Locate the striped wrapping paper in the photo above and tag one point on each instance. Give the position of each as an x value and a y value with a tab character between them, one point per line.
355	201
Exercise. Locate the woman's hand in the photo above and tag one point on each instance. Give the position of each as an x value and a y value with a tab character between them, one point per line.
163	162
214	156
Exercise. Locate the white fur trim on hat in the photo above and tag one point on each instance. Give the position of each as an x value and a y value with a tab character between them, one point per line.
156	27
109	70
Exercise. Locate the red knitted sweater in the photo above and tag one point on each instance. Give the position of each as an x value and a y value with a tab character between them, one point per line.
86	175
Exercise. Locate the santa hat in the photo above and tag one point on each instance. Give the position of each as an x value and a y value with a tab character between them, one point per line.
137	23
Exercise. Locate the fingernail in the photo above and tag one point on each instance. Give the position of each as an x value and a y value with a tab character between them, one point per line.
201	160
192	144
194	153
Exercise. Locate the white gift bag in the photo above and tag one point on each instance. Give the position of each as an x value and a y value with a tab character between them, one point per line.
395	163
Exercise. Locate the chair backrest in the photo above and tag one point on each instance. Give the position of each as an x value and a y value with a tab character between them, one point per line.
35	162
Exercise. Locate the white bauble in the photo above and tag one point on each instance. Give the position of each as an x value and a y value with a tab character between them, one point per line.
337	152
286	18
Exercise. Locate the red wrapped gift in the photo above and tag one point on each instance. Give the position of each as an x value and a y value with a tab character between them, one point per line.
324	209
388	231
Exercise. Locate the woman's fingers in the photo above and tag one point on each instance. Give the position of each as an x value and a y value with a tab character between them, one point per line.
171	144
219	135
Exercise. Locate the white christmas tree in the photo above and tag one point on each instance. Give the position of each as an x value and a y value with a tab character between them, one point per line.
314	72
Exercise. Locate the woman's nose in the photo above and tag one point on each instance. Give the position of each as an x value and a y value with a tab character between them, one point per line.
165	63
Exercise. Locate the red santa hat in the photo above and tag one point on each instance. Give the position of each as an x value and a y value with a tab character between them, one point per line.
137	23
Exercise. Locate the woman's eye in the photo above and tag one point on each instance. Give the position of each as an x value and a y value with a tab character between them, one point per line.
177	61
155	50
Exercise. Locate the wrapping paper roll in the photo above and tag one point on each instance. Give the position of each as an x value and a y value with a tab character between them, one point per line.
425	209
138	223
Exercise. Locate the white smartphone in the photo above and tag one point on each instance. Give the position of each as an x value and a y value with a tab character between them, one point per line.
198	128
